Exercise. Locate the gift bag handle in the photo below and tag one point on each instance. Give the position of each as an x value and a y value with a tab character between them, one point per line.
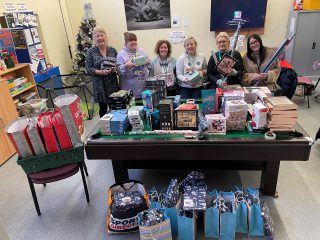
125	182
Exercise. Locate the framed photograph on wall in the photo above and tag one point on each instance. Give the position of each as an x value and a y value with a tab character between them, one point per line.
147	14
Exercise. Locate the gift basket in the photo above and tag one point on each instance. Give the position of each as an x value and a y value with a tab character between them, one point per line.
48	139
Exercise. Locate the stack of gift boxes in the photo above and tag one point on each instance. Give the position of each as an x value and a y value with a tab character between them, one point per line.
135	120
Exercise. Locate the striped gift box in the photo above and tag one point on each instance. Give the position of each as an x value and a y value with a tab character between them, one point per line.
161	231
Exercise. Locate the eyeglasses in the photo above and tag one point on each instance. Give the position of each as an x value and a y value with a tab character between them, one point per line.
222	42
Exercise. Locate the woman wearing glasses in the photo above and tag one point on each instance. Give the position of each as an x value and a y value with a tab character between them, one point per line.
233	75
256	58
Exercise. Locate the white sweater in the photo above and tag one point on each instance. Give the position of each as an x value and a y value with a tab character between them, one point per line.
185	61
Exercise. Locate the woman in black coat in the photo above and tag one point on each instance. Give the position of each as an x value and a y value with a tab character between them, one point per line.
234	75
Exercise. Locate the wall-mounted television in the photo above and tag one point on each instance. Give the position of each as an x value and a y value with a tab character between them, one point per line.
223	11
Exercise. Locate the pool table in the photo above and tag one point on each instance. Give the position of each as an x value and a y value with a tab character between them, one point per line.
237	150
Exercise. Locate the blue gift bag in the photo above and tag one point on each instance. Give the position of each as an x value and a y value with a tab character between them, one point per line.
153	198
186	226
242	210
255	218
172	214
211	216
228	217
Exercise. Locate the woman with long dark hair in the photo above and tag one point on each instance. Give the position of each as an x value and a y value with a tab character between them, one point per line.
255	60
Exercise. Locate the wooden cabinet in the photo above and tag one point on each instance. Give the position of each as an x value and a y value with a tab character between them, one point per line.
8	110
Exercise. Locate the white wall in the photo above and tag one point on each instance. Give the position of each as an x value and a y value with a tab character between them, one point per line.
111	15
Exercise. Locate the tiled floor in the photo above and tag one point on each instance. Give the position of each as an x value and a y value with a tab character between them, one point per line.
66	214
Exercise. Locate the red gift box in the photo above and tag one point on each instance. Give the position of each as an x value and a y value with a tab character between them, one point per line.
61	130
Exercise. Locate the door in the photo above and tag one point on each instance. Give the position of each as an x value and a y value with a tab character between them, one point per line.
306	33
315	55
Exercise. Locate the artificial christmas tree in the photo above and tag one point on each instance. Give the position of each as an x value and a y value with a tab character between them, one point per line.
84	38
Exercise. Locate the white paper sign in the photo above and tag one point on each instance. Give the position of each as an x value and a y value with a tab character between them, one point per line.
22	7
10	7
177	37
176	21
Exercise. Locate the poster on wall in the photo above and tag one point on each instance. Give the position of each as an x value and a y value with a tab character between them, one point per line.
147	14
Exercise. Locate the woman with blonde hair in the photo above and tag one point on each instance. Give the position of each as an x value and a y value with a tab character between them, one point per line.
234	75
101	64
187	64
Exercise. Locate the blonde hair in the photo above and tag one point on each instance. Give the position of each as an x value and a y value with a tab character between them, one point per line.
188	39
98	29
223	34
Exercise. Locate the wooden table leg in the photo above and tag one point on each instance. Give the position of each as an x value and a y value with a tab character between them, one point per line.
120	172
269	178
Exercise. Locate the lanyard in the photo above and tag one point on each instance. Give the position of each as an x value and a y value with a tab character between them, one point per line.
164	65
132	55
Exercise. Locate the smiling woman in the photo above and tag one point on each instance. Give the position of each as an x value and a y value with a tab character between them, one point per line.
256	58
234	74
101	64
191	70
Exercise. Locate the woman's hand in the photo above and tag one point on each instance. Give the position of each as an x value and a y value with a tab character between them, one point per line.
231	72
129	64
104	72
263	76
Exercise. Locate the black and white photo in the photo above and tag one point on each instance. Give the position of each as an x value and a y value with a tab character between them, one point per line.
147	14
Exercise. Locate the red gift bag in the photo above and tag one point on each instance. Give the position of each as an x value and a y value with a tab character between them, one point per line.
17	133
46	126
61	130
70	107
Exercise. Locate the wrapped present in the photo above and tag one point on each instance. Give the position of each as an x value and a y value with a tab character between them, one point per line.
194	77
236	116
104	124
166	114
70	107
150	100
35	137
61	130
140	60
186	117
236	105
217	123
46	126
168	78
208	100
17	133
259	116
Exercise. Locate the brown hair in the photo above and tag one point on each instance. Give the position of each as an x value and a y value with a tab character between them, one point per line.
159	43
128	36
